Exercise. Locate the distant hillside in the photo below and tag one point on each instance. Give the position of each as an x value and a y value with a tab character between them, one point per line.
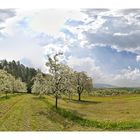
102	85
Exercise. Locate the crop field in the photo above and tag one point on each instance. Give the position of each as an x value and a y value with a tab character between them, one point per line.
29	113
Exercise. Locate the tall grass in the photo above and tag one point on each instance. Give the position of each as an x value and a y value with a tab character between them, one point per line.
104	125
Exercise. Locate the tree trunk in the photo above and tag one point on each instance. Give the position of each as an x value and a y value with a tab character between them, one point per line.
40	96
79	96
69	96
56	101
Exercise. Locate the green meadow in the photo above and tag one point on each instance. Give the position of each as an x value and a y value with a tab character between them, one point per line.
28	112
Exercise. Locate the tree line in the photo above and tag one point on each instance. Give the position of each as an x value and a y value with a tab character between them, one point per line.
25	74
60	81
9	84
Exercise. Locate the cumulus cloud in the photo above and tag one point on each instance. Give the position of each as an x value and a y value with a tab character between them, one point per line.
120	41
19	47
34	31
119	29
87	65
6	13
138	58
127	78
30	35
52	20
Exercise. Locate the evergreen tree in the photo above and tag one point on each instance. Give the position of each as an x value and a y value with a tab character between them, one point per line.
19	71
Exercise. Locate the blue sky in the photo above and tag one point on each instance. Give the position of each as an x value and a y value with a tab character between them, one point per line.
105	43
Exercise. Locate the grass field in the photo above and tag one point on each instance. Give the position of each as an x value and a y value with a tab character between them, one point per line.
29	113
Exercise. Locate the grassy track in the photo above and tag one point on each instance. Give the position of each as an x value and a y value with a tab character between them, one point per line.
29	113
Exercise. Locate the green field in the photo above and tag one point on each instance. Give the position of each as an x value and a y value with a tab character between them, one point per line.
29	113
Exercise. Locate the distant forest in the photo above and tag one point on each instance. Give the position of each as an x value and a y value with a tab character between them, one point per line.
19	71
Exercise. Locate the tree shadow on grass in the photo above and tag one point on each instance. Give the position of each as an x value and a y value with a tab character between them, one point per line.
84	101
38	98
2	98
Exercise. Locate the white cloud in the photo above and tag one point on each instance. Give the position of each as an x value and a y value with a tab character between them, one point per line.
24	42
32	34
52	49
127	78
19	46
51	21
128	74
138	58
87	65
6	14
114	28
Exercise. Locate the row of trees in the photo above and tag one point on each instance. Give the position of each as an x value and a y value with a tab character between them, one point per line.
115	91
18	70
61	80
9	84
